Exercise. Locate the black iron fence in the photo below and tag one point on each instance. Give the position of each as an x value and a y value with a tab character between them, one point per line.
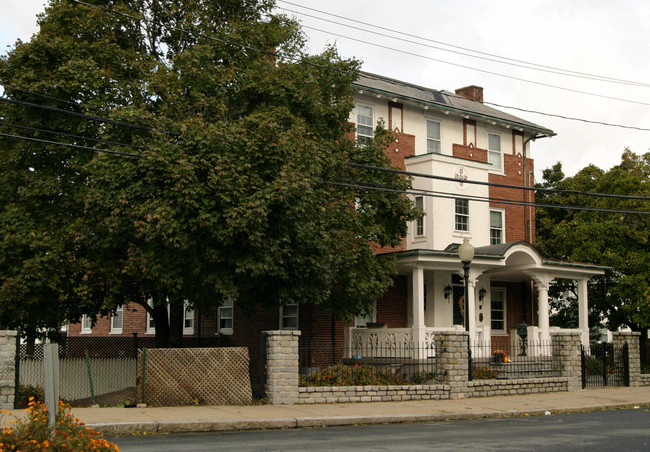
605	364
536	360
322	364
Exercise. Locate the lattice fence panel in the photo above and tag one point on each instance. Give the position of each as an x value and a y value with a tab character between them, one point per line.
189	376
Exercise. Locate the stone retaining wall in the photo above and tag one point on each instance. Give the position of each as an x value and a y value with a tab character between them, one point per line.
343	394
489	388
644	380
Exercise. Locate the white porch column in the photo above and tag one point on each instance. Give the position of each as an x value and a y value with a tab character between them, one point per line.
583	311
543	282
417	281
471	304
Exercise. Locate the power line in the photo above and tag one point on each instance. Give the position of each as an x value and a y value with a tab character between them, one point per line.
67	135
521	65
548	85
567	71
494	184
75	146
483	199
299	60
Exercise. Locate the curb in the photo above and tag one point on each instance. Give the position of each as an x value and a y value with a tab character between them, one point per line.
195	426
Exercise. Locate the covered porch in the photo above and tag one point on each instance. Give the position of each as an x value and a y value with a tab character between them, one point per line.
507	287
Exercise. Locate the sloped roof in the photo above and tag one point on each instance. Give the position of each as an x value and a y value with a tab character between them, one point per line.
443	101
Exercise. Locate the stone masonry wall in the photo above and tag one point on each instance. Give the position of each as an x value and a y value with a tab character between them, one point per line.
282	371
632	339
7	369
343	394
567	350
491	388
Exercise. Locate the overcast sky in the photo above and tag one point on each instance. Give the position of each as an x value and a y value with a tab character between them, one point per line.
603	38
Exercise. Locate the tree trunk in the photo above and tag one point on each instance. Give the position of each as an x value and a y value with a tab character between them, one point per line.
161	323
176	324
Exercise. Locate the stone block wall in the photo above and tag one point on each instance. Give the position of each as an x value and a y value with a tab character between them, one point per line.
7	369
634	352
567	350
491	388
282	370
344	394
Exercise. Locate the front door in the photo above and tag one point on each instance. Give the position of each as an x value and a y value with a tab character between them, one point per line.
459	299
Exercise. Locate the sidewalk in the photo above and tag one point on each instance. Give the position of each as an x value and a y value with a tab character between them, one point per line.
125	421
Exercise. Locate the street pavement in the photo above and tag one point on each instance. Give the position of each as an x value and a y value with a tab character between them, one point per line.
114	421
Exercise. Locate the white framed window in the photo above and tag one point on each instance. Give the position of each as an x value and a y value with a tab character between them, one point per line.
188	319
117	320
150	326
289	316
433	137
225	317
86	324
365	131
495	157
498	310
362	320
419	223
497	231
461	221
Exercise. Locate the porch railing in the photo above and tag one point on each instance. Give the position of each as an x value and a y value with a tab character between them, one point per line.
381	342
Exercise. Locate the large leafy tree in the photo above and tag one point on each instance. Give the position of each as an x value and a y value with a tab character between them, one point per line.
235	182
620	240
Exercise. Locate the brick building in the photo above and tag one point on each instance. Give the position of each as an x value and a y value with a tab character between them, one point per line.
470	161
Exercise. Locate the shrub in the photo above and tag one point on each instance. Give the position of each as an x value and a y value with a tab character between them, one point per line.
67	434
483	373
357	375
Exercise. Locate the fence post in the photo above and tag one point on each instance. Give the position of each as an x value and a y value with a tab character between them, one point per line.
8	353
566	349
452	356
282	367
634	361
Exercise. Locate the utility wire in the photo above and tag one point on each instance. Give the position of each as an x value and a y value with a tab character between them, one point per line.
75	146
481	199
321	66
548	85
522	63
81	115
67	135
493	184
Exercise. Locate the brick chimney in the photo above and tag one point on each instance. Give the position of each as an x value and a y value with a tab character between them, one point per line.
472	92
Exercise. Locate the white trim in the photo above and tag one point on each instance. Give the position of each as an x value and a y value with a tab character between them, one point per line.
289	317
118	313
456	215
438	140
497	331
150	327
222	314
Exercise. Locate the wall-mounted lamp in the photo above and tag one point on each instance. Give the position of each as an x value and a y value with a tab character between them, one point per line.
481	294
448	291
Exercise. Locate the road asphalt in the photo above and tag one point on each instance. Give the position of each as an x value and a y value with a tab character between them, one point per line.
113	421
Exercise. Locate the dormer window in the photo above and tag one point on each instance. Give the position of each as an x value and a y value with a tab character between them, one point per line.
365	121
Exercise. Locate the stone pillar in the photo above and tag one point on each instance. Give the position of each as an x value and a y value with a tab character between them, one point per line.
282	372
7	369
632	339
566	349
452	357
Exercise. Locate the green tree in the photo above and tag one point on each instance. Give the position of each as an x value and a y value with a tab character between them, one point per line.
238	184
618	240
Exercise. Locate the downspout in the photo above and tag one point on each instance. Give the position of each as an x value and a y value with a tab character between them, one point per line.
528	231
528	226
